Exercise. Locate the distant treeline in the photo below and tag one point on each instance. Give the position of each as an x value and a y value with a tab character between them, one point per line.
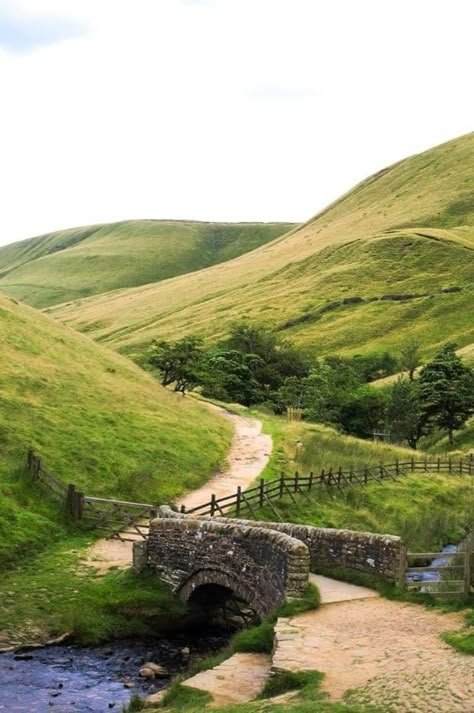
253	365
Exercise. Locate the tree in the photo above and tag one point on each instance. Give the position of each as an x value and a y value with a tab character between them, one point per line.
228	375
374	366
447	391
410	358
179	363
404	413
277	359
364	412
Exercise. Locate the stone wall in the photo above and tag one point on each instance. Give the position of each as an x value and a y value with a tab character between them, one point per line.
262	566
381	555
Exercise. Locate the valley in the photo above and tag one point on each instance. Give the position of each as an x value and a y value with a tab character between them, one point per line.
390	261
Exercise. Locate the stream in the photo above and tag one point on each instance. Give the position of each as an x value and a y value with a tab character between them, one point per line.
95	679
435	576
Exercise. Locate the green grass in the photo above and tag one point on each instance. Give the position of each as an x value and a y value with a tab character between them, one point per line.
428	511
407	230
309	698
291	681
97	420
79	262
55	593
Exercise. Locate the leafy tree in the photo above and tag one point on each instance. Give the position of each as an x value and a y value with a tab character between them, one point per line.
364	412
447	391
404	413
277	359
410	358
229	376
374	366
179	363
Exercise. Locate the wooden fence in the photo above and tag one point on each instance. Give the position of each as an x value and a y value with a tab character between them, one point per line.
455	578
130	520
268	490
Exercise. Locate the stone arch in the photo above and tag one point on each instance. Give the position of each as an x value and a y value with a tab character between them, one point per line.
224	579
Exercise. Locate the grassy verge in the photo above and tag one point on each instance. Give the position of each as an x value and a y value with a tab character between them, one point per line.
55	593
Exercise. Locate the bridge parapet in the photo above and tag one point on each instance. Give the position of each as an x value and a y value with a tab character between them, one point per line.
368	552
261	566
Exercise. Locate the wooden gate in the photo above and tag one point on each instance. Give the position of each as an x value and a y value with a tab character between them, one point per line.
453	579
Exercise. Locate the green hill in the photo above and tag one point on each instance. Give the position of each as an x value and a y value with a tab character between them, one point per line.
390	259
97	420
79	262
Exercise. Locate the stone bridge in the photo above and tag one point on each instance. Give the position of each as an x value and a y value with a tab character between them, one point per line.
263	564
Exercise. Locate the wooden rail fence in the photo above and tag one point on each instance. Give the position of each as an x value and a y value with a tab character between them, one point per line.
130	520
455	579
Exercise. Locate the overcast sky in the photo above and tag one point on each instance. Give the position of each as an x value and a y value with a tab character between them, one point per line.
218	109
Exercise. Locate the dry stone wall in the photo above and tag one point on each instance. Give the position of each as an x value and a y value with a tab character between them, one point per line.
381	555
367	552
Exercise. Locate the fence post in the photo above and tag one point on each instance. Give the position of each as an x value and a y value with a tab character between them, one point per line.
470	464
71	506
213	504
310	481
412	463
339	475
450	465
460	466
262	491
381	470
323	477
366	475
78	506
438	465
182	509
468	565
351	474
330	476
403	566
297	475
282	484
239	499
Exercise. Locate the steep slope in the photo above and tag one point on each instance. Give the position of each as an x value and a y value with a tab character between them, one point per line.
392	257
86	261
96	418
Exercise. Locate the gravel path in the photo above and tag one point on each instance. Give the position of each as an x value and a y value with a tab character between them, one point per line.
383	653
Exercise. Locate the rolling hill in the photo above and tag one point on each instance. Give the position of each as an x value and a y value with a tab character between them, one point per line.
79	262
97	420
392	258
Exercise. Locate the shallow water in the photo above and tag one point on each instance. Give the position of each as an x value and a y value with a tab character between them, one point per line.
432	576
93	679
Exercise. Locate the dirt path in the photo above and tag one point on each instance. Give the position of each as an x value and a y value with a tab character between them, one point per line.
385	653
249	454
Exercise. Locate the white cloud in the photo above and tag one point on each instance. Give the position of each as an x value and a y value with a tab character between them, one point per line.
223	109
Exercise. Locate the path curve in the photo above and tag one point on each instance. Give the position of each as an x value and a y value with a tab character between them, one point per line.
249	454
381	653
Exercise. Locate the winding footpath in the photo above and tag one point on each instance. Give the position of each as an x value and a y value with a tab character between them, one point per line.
249	454
371	650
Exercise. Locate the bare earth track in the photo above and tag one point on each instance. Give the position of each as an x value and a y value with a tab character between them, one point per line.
248	456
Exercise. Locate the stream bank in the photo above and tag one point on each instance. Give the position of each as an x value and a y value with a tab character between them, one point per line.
97	678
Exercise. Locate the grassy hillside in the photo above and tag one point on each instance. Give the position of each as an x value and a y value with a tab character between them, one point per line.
391	258
428	511
86	261
96	419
